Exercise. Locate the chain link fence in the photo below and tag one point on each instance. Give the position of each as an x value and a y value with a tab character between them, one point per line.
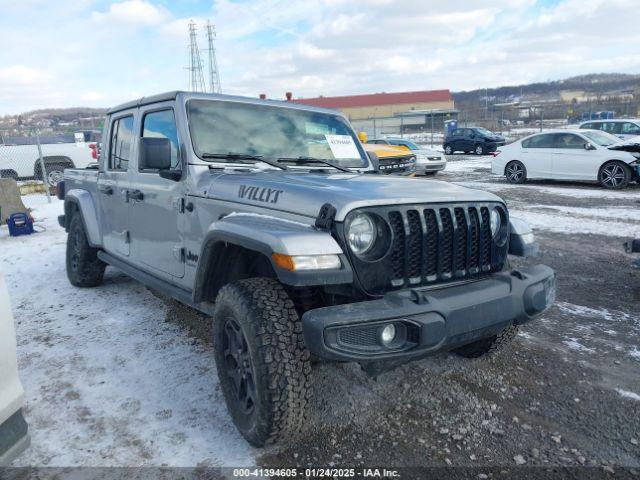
37	163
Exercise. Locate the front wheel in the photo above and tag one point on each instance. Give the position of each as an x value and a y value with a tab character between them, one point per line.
448	150
515	172
614	175
262	361
478	150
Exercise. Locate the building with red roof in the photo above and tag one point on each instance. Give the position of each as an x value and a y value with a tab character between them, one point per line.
381	105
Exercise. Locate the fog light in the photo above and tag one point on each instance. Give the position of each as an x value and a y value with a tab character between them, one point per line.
388	334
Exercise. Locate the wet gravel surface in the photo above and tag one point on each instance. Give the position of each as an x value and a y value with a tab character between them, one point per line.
566	394
552	399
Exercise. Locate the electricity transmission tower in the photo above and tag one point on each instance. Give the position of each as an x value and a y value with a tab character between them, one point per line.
196	81
214	76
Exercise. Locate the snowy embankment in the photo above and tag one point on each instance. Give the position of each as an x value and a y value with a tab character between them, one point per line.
108	381
622	221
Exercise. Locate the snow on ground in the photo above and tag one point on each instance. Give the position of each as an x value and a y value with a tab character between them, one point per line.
627	394
560	222
573	344
108	381
598	313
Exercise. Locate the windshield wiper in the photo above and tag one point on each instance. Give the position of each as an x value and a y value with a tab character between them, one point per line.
233	157
302	160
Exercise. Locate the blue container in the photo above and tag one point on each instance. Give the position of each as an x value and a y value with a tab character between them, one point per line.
20	224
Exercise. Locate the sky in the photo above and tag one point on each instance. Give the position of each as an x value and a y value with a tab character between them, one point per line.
98	53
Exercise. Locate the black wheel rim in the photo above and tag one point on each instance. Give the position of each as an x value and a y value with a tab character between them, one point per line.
613	175
76	241
239	366
515	172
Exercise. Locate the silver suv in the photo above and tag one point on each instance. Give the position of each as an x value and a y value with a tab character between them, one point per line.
271	218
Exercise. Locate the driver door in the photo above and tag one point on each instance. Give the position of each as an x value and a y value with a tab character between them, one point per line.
156	237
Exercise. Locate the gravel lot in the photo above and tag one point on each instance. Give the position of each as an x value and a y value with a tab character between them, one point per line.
117	377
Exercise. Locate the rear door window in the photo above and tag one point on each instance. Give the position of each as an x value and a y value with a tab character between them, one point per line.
121	143
539	141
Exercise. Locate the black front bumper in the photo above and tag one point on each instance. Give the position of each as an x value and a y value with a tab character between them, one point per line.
428	320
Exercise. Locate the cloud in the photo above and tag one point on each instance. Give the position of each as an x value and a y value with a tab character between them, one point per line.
133	12
324	47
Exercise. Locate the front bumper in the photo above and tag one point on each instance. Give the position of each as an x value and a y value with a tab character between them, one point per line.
428	320
431	166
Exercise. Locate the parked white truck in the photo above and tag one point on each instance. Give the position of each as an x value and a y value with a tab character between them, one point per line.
22	162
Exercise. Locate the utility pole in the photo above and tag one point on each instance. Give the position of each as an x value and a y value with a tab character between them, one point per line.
196	80
214	76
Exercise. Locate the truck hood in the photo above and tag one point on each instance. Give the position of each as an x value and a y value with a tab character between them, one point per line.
304	193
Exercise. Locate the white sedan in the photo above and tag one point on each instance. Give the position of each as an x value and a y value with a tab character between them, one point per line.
428	161
577	155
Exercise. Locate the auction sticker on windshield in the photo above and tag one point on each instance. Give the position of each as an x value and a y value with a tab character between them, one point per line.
342	146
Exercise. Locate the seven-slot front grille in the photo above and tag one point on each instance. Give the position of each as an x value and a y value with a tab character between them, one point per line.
431	245
439	243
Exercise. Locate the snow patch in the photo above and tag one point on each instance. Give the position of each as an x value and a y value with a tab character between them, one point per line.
573	344
628	394
108	381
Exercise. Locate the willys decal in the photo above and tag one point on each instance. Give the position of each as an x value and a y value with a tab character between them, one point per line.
259	194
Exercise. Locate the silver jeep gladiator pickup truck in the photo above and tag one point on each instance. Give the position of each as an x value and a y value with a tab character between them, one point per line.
271	218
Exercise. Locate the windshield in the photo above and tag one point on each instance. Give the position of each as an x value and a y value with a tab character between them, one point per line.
601	138
484	131
405	143
219	127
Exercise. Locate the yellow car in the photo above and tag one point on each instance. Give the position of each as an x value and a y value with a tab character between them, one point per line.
396	160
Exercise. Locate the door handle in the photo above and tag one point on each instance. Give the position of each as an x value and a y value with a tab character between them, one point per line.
106	189
136	195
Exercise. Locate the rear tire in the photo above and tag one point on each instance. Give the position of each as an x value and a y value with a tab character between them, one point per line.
262	361
84	268
448	150
515	172
489	346
54	169
479	149
614	175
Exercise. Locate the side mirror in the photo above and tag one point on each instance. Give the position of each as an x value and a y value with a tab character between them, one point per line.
363	137
589	146
155	153
375	161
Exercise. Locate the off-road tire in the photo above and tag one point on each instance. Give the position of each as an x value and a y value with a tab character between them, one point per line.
614	175
279	359
511	172
491	345
84	268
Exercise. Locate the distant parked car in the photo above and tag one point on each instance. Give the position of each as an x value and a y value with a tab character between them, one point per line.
475	139
622	128
428	161
14	436
589	155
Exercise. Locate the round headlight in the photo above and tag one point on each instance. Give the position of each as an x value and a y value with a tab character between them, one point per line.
495	221
361	234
